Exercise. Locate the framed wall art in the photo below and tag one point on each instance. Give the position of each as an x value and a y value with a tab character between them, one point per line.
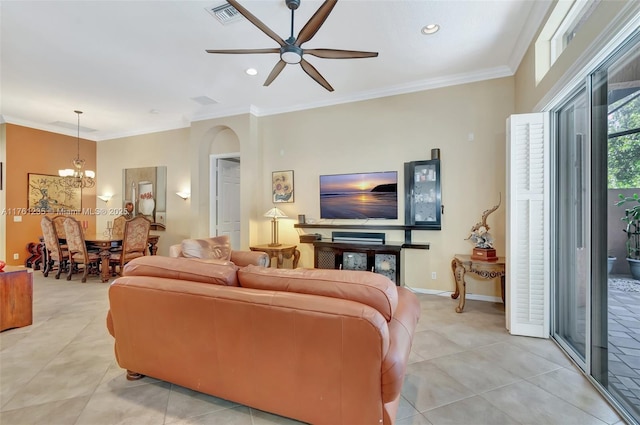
48	194
282	186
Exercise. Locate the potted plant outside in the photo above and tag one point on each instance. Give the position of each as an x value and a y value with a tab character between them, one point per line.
610	262
632	219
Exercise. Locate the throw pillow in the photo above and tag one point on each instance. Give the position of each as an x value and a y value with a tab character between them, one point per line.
218	248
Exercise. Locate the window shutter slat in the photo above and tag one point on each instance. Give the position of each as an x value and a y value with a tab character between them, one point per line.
527	282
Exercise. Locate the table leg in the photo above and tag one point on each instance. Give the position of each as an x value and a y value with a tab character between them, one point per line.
105	254
454	265
280	260
296	258
461	286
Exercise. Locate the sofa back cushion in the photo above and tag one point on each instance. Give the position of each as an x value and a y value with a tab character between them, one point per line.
368	288
217	248
218	272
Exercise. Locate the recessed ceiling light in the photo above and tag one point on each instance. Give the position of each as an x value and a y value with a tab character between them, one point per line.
252	71
430	29
154	111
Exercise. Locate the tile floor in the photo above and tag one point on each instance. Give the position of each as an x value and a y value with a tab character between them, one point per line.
464	369
624	343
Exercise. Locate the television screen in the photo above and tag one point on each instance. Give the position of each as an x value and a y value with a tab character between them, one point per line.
359	195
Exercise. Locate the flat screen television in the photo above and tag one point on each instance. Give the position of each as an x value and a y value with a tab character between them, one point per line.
359	196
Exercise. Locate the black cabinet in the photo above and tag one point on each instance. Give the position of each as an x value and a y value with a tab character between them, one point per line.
423	203
379	258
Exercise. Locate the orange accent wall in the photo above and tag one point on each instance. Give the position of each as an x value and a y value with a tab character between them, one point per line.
36	151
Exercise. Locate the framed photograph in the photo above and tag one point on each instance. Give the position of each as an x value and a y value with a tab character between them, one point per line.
48	194
282	186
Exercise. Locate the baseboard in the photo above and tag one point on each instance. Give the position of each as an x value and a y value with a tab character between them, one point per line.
469	296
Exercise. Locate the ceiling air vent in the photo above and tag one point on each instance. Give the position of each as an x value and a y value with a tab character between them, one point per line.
204	100
225	13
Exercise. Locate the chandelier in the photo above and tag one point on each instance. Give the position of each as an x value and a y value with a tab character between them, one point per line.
77	177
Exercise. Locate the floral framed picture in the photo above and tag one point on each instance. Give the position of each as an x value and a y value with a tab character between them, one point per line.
282	186
47	193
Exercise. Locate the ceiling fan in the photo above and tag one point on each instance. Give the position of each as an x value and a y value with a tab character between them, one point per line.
290	50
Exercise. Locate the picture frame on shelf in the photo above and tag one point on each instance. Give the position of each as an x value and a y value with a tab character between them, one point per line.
282	186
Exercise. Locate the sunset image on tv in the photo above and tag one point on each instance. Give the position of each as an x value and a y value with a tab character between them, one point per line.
359	196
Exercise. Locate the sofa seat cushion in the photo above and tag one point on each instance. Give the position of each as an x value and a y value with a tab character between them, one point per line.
218	272
368	288
217	248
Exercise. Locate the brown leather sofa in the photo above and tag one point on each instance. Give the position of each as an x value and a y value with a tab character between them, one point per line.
319	346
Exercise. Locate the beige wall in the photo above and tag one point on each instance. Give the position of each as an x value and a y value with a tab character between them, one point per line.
372	135
168	148
383	134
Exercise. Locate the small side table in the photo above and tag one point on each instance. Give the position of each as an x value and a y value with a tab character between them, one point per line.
16	297
487	270
280	252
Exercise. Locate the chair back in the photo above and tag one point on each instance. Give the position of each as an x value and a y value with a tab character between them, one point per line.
58	222
50	237
75	237
117	232
136	234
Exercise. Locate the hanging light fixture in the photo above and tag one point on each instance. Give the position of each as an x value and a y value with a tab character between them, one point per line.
77	177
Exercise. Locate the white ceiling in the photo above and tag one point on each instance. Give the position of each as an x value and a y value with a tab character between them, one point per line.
118	61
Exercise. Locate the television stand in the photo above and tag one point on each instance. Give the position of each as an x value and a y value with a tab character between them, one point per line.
383	258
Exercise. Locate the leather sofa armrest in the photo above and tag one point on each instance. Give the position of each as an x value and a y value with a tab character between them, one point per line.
245	258
402	326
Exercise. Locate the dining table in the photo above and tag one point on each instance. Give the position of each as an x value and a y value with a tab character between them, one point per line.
104	242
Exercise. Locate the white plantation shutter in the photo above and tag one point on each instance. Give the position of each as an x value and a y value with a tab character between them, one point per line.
527	235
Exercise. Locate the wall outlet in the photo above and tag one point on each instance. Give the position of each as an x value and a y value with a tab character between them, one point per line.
16	256
433	275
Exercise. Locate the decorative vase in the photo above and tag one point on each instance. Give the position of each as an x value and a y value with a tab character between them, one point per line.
146	203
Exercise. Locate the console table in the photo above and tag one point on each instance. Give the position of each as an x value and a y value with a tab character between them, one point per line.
16	297
280	253
487	270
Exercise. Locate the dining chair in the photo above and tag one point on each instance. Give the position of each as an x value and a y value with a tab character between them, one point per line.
55	254
134	242
58	223
78	253
117	231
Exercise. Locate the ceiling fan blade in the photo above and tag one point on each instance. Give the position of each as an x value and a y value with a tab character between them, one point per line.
313	73
313	25
275	72
339	54
257	22
241	51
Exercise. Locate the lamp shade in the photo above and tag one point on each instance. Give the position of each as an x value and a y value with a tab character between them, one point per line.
275	213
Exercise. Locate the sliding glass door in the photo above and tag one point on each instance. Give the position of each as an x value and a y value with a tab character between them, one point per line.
572	241
596	155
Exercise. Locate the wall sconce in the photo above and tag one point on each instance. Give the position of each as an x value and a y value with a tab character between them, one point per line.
275	214
105	198
183	195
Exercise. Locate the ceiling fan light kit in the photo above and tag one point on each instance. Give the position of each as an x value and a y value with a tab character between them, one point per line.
290	50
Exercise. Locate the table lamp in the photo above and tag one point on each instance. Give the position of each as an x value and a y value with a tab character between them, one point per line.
275	214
